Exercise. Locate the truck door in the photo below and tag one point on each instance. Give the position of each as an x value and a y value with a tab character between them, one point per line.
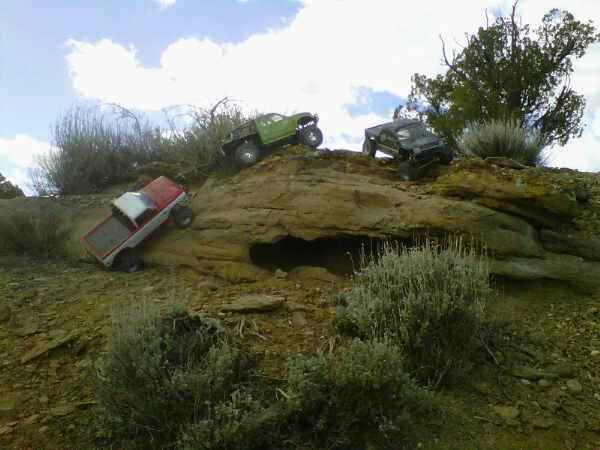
274	127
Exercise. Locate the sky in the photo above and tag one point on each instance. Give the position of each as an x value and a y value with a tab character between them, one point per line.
350	61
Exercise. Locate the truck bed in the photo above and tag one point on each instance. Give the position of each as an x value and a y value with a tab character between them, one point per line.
108	235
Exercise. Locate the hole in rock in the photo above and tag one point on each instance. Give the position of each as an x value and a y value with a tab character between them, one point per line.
340	254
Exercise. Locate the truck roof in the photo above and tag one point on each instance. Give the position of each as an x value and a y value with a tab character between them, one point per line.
162	191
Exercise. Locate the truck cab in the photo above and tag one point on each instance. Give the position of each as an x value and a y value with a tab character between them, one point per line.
133	217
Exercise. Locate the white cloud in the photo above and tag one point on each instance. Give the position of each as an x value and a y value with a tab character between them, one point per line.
17	156
164	4
315	63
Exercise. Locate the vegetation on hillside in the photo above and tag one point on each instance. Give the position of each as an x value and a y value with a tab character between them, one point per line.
96	147
428	300
502	138
40	232
507	71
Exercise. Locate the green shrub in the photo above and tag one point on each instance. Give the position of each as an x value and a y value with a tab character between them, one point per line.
429	300
162	372
362	399
502	138
93	149
242	423
36	232
199	143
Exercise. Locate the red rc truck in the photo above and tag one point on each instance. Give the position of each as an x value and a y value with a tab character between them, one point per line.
134	216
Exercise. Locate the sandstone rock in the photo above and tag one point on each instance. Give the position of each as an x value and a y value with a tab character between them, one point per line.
62	410
314	274
329	200
8	405
45	347
574	386
505	162
531	373
299	319
571	244
5	313
254	303
506	412
571	269
542	422
281	274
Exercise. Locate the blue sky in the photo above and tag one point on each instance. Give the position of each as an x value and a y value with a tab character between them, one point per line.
341	58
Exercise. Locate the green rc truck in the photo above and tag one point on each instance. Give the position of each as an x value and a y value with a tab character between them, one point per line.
249	142
410	142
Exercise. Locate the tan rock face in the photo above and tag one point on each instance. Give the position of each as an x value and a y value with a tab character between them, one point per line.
296	197
318	209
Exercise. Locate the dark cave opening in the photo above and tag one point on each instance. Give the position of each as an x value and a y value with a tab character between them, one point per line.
339	254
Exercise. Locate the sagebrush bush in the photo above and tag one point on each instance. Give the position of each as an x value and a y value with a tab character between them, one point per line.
93	149
504	138
242	423
362	398
97	147
429	300
163	372
199	143
38	232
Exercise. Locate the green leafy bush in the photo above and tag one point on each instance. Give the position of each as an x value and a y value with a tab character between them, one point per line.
162	372
38	232
362	399
429	300
502	138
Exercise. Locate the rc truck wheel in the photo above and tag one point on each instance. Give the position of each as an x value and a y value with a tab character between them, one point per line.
247	154
311	136
183	216
128	261
445	158
406	171
369	148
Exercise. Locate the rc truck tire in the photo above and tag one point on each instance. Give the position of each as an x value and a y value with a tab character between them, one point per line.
183	216
311	136
369	148
128	261
247	154
445	158
407	172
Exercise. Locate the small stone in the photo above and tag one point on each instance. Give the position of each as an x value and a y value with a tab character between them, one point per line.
574	385
298	319
5	313
531	373
544	383
507	412
525	382
254	303
62	410
31	419
594	353
27	329
281	274
43	429
597	396
8	406
542	422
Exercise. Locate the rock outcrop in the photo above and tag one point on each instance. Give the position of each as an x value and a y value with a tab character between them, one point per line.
303	208
306	208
